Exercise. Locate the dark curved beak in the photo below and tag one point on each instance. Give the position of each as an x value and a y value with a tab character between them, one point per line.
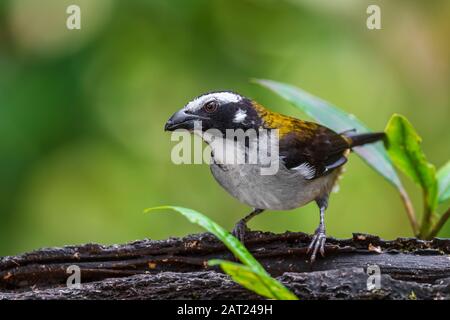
182	120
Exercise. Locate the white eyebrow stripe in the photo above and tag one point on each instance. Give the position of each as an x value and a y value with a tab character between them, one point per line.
240	116
222	97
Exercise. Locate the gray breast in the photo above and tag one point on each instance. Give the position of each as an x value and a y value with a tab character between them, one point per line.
282	191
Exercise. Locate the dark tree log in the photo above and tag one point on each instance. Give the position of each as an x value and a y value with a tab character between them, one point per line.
176	269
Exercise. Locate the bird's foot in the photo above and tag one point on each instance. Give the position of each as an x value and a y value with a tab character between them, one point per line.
317	244
240	229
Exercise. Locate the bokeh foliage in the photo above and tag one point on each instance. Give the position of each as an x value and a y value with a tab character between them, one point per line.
82	147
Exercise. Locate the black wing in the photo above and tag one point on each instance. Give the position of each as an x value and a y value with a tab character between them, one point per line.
313	150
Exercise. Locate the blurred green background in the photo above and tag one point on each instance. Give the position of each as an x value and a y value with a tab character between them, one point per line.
82	146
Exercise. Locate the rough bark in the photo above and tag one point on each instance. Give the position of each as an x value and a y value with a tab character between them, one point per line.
176	269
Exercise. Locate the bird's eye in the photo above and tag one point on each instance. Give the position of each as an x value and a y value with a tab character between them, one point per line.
210	106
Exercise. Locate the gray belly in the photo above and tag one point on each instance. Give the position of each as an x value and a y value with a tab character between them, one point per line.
282	191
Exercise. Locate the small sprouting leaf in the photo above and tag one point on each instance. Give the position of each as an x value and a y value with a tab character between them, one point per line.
233	244
262	284
333	117
443	177
403	145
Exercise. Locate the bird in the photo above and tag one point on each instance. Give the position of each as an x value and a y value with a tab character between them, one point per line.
310	157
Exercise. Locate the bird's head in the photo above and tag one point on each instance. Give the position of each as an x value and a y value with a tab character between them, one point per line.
219	111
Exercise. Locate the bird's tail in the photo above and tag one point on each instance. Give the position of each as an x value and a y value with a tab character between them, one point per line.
363	138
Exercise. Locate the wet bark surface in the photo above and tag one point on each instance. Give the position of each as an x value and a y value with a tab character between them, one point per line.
177	268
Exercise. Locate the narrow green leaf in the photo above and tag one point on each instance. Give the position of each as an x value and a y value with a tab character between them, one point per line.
262	284
236	247
403	146
227	238
333	117
443	177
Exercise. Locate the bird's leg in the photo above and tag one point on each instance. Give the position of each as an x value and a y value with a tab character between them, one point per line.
319	238
241	227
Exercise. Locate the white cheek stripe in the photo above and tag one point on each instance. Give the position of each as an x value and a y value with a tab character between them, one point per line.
240	116
221	97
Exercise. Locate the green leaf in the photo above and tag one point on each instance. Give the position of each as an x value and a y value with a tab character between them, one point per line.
403	144
443	177
260	283
233	244
333	117
227	238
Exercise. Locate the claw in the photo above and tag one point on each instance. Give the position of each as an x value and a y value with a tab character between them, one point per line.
317	244
240	230
311	245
